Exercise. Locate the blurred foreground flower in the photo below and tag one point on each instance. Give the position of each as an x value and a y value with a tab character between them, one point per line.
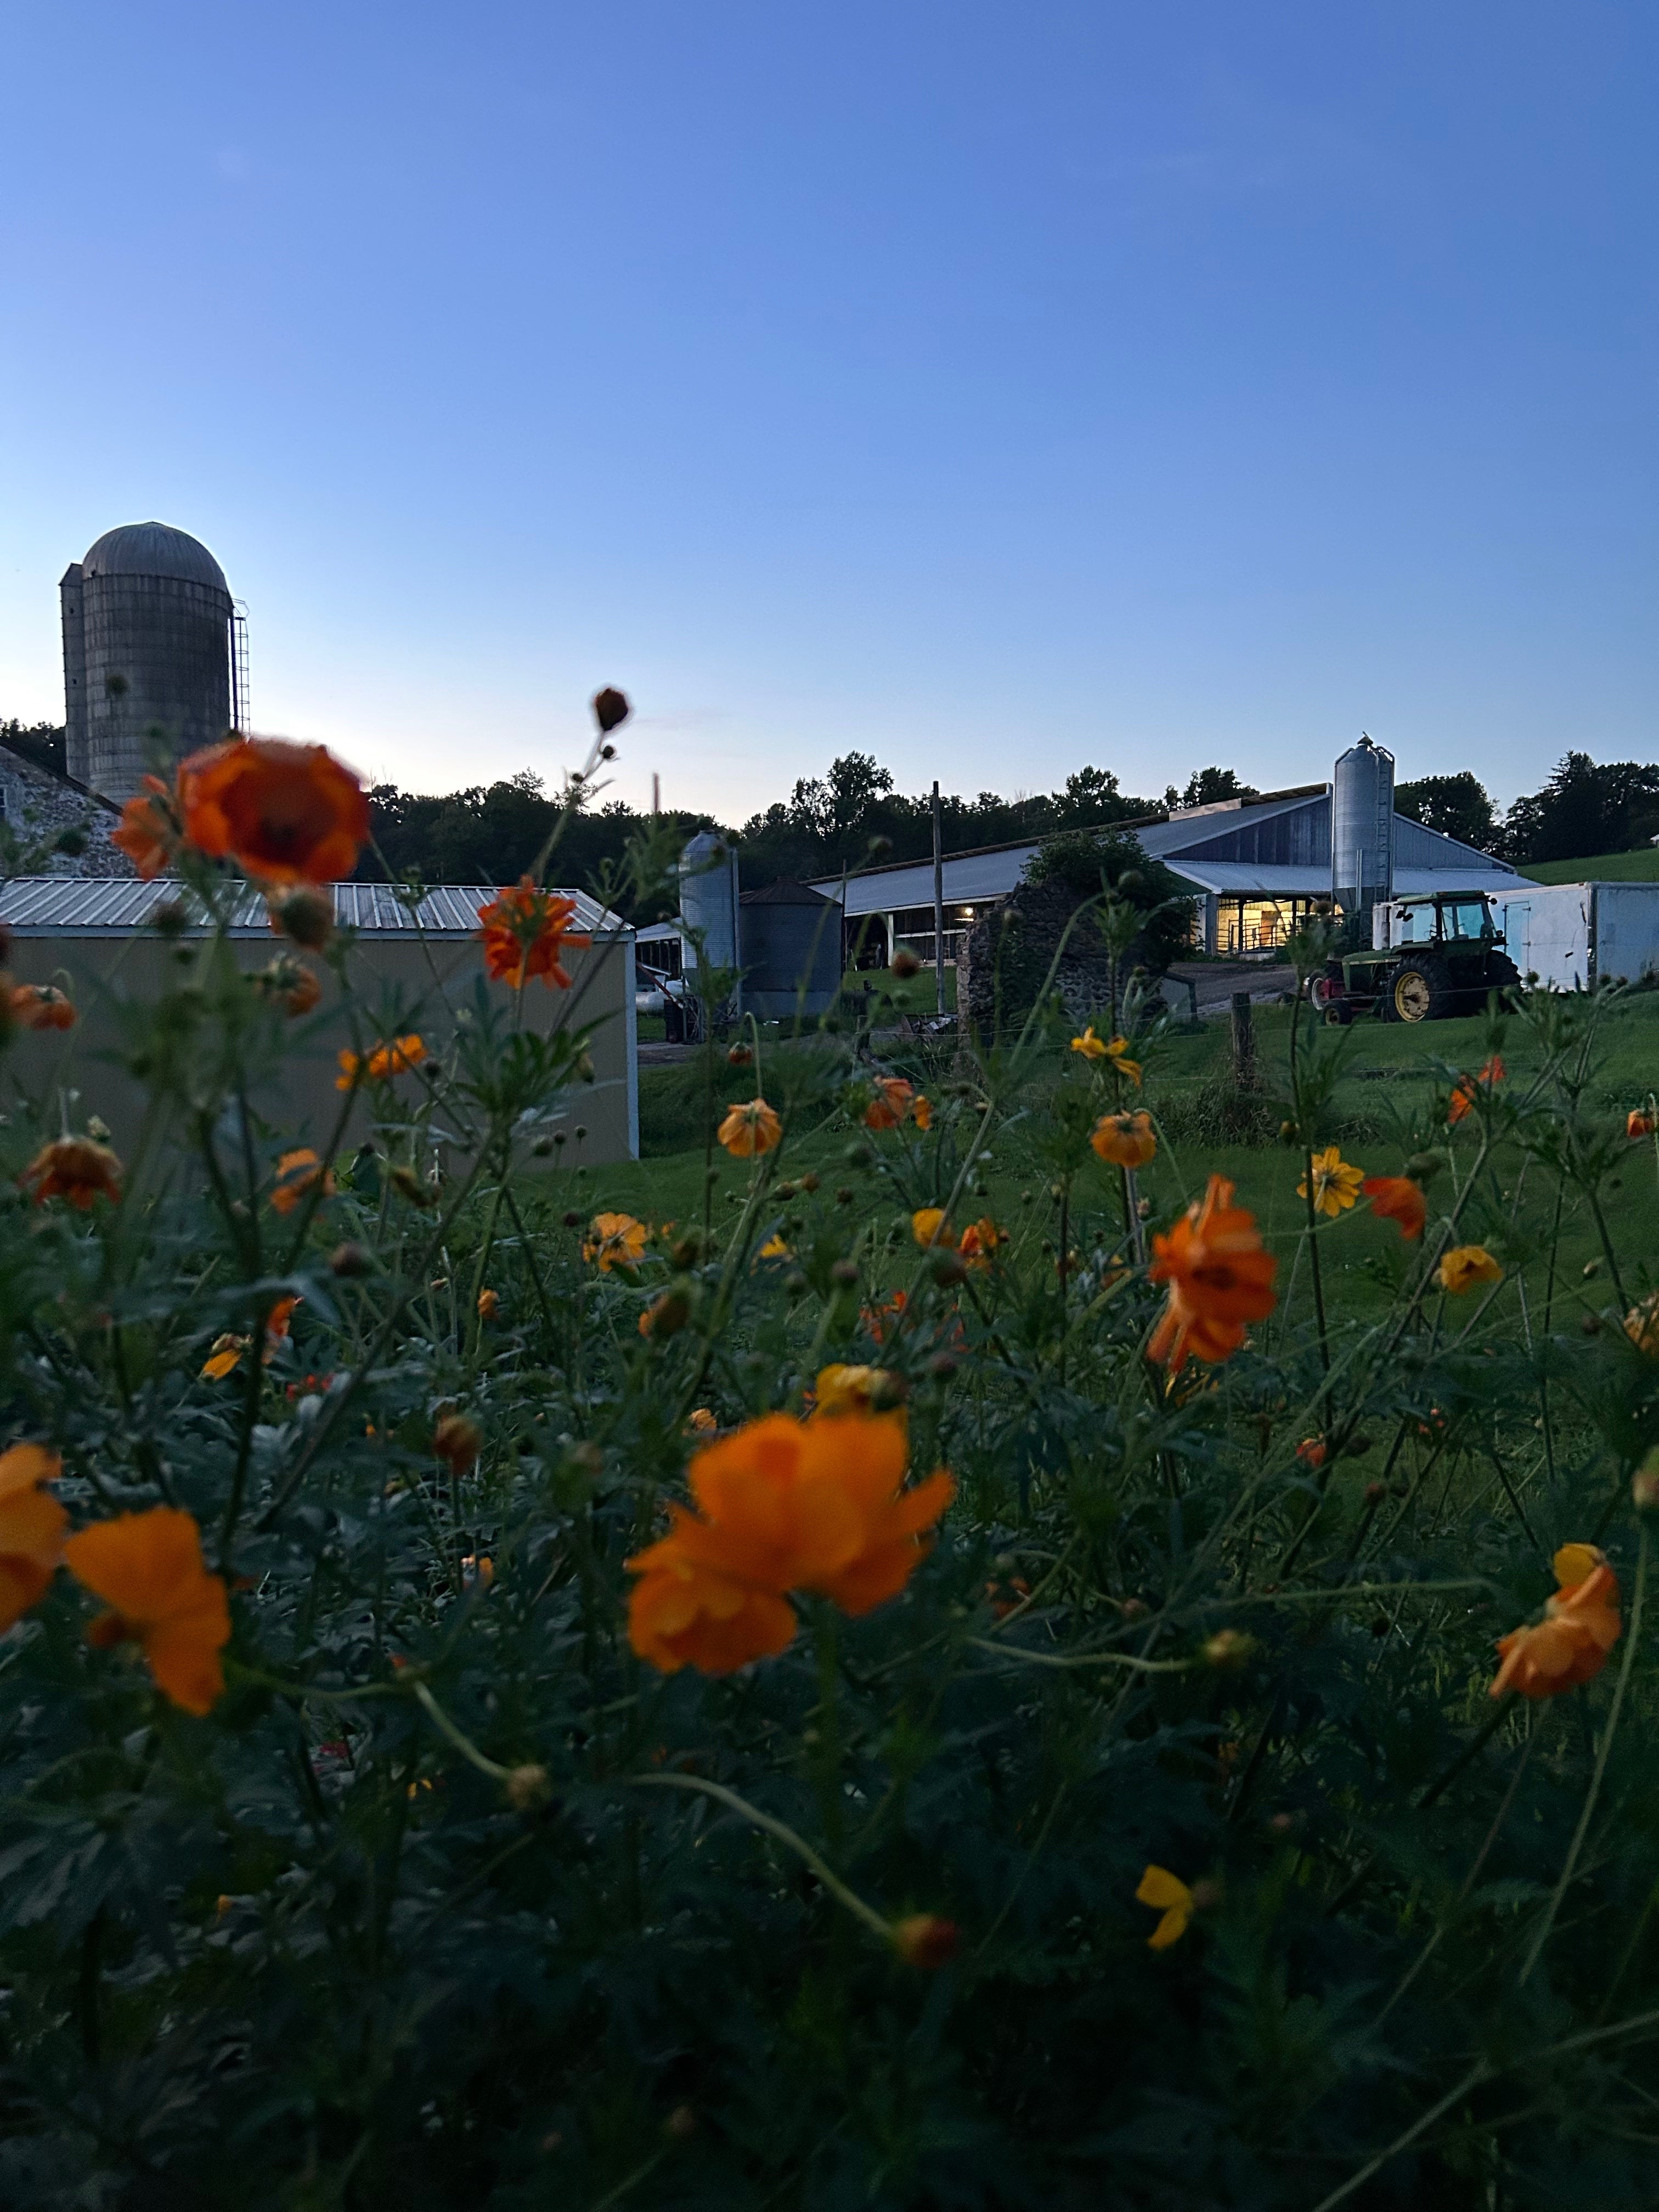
1397	1198
150	831
31	1525
749	1130
783	1505
147	1567
1640	1121
1219	1276
1571	1642
285	813
927	1226
1336	1184
298	1174
525	931
923	1940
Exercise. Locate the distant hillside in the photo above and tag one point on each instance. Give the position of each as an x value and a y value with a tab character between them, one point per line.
1641	866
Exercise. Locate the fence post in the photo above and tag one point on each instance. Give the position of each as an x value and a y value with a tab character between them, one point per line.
1244	1042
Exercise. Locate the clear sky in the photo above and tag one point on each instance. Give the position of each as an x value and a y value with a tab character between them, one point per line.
994	387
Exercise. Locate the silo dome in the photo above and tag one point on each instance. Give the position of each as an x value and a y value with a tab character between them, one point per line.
154	549
146	654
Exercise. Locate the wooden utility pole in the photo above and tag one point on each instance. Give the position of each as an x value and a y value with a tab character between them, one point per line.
938	907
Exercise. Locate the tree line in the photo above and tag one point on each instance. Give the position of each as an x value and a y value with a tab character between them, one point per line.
491	832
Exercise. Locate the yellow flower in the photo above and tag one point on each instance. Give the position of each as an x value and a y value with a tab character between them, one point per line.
1462	1269
1117	1051
928	1227
854	1391
774	1247
1160	1887
615	1240
1335	1184
1090	1045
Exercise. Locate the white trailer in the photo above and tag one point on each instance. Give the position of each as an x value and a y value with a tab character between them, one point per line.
1573	936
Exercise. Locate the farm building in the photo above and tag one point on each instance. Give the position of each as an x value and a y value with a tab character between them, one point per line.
416	970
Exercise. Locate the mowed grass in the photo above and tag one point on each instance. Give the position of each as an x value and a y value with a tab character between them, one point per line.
1638	867
1384	1107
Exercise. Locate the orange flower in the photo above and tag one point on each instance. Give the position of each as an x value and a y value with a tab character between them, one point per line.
927	1226
892	1101
1464	1267
488	1304
1580	1626
456	1440
42	1007
147	1567
980	1240
1311	1451
1467	1088
150	833
525	934
922	1112
1219	1277
785	1504
701	1420
1642	1324
1166	1893
285	813
750	1130
1639	1122
615	1240
277	1322
400	1057
1126	1141
297	1174
31	1525
886	1319
74	1168
1397	1198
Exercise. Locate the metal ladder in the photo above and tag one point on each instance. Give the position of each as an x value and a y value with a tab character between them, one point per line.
240	714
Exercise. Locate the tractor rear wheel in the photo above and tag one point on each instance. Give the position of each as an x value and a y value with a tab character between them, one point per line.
1418	991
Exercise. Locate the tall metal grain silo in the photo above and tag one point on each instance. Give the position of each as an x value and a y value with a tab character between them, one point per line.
1361	827
147	647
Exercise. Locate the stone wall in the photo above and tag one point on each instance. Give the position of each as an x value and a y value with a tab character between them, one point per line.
38	807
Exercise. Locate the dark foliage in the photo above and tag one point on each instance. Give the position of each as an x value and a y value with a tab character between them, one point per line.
1457	805
1586	809
43	743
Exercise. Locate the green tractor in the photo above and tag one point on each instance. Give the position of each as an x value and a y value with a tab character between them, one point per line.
1443	958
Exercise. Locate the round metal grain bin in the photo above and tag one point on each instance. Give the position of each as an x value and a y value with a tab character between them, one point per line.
791	951
146	647
1361	827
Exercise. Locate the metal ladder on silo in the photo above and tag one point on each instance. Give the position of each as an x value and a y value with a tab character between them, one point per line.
241	715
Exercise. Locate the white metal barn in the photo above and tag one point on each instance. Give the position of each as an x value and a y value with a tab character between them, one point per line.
1575	935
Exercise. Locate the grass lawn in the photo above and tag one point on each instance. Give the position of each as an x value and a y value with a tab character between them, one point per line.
1388	1086
1641	866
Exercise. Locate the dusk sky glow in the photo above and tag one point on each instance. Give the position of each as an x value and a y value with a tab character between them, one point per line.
993	388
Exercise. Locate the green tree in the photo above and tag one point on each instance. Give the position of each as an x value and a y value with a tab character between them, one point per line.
1457	805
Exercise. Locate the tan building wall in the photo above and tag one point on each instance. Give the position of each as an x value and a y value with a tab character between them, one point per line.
413	983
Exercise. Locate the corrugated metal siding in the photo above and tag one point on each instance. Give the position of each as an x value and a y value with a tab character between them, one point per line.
48	906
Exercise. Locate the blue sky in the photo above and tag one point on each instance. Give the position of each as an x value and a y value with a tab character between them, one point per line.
996	388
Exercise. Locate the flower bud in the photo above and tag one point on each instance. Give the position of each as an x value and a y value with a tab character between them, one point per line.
809	1183
906	964
681	2124
844	1272
306	915
1228	1648
611	710
924	1939
948	1269
1644	1484
1423	1167
665	1315
528	1788
351	1260
740	1055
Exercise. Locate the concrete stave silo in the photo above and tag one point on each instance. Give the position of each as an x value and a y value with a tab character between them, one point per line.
147	640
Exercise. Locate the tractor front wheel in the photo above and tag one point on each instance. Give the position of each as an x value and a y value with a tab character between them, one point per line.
1418	991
